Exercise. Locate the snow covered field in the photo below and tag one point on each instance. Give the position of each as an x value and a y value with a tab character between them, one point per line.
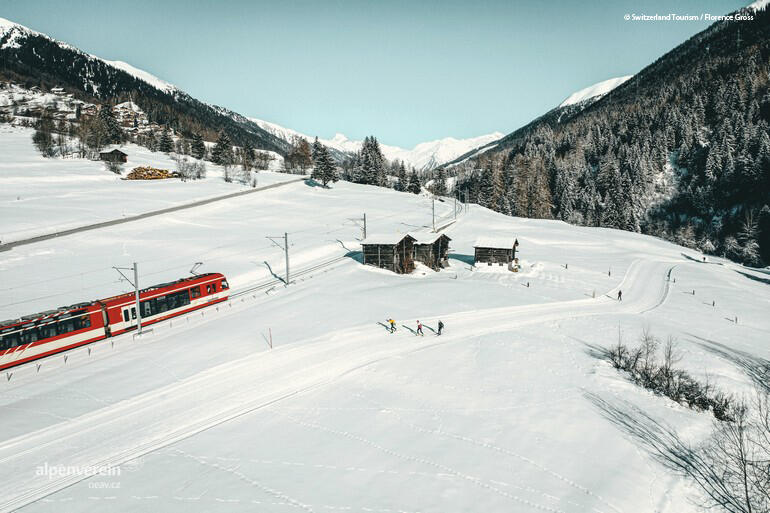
494	415
38	198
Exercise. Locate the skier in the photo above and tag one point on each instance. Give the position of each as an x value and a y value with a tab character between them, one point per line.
620	295
440	326
419	329
392	325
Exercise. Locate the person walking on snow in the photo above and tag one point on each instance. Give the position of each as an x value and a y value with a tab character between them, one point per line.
419	329
620	295
392	325
440	326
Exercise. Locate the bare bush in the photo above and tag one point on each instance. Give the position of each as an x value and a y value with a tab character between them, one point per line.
732	467
643	367
190	169
114	167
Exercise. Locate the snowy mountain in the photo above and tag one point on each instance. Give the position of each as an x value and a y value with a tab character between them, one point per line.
424	156
681	150
151	79
570	107
27	56
595	91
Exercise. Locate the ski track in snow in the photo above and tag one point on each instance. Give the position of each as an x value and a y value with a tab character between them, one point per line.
145	423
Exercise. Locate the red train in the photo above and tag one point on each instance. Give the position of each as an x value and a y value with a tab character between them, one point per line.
46	333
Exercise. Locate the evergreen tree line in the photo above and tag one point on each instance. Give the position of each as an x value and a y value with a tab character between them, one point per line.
680	151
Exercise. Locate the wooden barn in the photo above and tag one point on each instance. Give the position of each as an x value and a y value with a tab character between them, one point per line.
495	250
113	156
432	249
393	252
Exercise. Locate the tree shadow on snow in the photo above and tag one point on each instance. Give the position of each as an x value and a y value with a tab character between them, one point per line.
311	182
466	259
755	278
358	256
756	367
270	269
688	257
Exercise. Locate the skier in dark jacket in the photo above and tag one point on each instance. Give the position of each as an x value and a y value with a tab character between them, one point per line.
440	326
620	295
419	329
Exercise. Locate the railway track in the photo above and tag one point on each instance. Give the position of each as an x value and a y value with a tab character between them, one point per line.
278	281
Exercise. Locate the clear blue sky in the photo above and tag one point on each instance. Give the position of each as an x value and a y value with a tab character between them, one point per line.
406	71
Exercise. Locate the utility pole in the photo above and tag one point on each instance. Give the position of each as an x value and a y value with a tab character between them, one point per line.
286	245
358	220
433	208
285	248
135	283
455	208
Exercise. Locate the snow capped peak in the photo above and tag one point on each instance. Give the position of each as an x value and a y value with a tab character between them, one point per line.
141	75
7	25
599	89
15	30
759	5
424	156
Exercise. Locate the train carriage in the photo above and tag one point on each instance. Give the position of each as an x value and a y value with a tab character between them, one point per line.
43	334
164	301
46	333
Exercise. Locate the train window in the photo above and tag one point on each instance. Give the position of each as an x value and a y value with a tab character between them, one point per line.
9	340
160	304
225	285
133	312
66	326
183	298
48	331
195	292
172	302
147	308
29	335
125	315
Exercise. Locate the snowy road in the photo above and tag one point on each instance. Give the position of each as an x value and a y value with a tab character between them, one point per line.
145	215
133	427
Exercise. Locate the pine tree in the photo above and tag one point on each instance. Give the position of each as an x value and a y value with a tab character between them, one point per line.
166	143
763	233
42	138
439	182
198	148
112	132
325	168
248	156
316	150
415	187
222	153
402	181
748	239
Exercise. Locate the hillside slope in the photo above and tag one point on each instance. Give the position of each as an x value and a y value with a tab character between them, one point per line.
31	59
681	150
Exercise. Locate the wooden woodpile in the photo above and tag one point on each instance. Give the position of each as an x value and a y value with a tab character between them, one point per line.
150	173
